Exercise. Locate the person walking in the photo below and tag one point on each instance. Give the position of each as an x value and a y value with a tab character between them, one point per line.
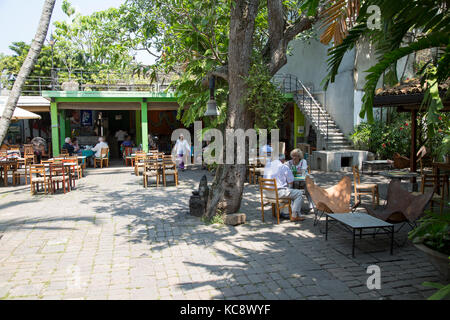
182	150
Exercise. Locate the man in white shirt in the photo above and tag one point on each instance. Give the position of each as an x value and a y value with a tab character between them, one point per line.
120	136
280	171
98	147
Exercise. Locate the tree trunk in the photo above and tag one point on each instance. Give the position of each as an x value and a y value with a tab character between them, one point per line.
227	188
27	67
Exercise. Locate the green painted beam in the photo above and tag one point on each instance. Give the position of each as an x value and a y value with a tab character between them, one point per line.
299	120
54	121
62	126
144	126
138	128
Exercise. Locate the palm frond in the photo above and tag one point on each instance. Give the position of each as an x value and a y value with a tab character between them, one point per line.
374	73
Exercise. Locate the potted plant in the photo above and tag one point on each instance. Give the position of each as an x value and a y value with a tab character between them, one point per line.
432	236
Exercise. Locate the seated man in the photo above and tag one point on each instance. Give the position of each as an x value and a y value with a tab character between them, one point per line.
68	146
280	171
98	147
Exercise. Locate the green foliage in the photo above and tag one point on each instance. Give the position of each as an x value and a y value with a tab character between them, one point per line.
433	231
442	293
219	218
398	18
383	139
263	97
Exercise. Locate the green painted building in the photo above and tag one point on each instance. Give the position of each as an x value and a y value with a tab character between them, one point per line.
137	102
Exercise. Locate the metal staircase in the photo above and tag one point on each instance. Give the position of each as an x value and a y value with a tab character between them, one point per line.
333	138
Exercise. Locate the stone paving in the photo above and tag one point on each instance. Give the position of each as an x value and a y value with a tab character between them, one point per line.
112	239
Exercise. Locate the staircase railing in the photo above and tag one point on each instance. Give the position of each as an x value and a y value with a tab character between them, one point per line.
289	83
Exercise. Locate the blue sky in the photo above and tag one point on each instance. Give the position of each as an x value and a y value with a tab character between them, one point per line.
19	18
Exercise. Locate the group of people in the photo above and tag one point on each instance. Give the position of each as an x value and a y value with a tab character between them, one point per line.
282	172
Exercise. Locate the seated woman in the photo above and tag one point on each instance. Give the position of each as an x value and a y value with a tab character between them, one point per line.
76	147
298	161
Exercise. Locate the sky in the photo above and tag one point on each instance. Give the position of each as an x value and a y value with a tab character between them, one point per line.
19	19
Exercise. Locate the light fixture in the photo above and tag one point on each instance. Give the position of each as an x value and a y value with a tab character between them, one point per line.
211	110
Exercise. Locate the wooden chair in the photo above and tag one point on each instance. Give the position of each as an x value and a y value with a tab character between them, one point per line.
151	169
169	168
139	161
75	168
40	178
335	199
22	170
364	188
58	174
72	171
270	186
256	169
104	157
440	185
64	152
127	151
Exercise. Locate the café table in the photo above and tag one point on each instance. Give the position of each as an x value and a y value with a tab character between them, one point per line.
356	221
376	163
400	175
6	164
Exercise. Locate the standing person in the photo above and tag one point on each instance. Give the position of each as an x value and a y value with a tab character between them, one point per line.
278	170
183	150
120	136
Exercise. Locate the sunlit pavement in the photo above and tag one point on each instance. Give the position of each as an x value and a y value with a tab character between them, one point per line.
112	239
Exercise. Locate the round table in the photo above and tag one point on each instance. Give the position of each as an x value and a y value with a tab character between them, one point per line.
400	175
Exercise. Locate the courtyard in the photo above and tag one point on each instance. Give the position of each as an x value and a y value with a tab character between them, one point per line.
110	238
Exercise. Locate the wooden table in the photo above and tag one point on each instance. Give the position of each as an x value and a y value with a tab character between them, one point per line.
5	164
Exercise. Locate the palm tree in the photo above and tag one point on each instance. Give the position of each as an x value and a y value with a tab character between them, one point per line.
27	67
430	19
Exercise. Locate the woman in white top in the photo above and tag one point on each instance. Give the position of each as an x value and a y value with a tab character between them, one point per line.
298	161
183	150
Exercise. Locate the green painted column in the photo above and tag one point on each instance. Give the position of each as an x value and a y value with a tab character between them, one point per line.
138	128
299	124
144	125
62	126
54	121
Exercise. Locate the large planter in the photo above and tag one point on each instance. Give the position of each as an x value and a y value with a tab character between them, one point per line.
439	260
